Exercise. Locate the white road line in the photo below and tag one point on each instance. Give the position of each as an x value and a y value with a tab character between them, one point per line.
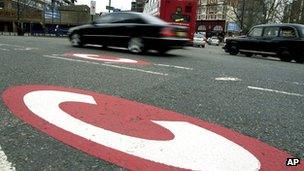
68	59
276	91
4	164
135	69
174	66
227	79
108	65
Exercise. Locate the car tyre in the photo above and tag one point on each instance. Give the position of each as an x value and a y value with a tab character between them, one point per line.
284	55
136	45
234	50
76	40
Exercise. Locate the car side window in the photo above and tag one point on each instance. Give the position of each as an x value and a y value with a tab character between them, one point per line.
127	18
256	32
105	19
288	32
271	32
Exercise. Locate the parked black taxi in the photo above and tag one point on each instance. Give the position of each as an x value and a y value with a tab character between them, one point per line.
285	41
136	31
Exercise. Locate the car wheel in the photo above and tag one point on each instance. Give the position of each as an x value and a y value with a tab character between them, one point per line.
136	45
203	46
234	50
248	54
76	40
284	55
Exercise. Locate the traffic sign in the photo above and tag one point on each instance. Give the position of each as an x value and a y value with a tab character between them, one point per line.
137	136
109	8
93	7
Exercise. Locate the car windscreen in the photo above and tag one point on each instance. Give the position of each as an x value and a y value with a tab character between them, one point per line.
152	20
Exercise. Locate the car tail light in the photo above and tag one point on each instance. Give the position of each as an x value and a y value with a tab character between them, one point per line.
167	32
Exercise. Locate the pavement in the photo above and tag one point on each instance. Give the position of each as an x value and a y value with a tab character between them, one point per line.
262	98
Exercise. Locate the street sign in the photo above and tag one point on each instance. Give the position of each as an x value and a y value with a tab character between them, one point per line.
93	8
109	8
137	136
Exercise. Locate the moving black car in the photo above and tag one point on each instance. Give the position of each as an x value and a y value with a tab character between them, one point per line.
285	41
137	31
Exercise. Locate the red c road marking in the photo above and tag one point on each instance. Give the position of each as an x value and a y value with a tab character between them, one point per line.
107	58
138	136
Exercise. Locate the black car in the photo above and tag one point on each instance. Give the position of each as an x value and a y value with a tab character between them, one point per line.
137	31
285	41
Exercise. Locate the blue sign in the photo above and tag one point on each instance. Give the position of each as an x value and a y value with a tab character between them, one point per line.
51	12
232	26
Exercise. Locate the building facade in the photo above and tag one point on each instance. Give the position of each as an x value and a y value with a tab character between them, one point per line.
214	17
40	15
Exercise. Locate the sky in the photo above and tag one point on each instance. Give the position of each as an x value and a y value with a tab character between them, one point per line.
101	4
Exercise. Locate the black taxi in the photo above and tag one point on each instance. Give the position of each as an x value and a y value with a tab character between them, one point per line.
285	41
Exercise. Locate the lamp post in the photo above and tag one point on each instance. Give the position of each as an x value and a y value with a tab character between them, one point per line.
109	5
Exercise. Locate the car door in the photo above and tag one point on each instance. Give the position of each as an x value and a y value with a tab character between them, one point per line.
270	40
99	31
252	40
126	25
288	36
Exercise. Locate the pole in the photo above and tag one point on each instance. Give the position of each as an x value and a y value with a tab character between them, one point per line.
243	12
110	5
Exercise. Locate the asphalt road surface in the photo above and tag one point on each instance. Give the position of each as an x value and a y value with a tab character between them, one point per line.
257	97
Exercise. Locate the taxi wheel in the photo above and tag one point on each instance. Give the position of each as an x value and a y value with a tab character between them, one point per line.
136	45
284	55
76	40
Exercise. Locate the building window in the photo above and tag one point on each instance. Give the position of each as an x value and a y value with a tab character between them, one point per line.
1	4
219	16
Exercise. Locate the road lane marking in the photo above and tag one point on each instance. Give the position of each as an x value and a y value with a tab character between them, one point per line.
108	65
174	66
135	69
68	59
276	91
137	136
4	164
106	58
18	48
227	79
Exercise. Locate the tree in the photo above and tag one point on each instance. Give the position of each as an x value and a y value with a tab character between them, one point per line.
294	12
253	12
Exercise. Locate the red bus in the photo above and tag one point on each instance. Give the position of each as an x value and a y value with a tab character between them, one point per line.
176	12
